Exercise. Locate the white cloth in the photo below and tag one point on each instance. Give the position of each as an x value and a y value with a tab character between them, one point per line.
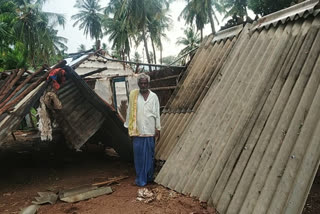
148	115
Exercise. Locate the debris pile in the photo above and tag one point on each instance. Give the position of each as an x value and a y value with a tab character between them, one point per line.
159	193
72	195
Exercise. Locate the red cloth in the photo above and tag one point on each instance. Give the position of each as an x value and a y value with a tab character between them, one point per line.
58	77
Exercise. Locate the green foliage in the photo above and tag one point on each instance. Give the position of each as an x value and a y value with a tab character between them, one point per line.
136	20
104	47
89	18
14	58
264	7
136	57
168	60
27	34
190	41
116	54
201	12
81	48
235	8
33	113
118	33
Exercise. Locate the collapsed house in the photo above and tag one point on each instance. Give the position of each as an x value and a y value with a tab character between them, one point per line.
79	112
242	129
19	91
90	106
111	80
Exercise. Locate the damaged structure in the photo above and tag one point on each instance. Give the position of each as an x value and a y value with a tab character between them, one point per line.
81	114
111	81
19	91
242	129
89	106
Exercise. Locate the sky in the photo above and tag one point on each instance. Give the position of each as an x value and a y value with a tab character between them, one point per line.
76	37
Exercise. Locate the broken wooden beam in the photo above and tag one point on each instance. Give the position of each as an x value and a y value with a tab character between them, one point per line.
163	88
99	70
165	78
111	181
11	84
20	87
8	80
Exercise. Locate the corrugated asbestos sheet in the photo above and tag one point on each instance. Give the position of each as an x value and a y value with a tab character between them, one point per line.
253	144
84	115
203	70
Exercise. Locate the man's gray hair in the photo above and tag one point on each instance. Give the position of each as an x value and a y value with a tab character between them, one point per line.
143	76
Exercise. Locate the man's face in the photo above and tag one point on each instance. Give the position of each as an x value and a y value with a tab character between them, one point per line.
143	85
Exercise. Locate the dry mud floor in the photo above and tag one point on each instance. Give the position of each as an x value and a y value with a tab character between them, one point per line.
28	168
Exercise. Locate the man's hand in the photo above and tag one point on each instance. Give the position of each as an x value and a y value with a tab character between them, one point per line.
157	135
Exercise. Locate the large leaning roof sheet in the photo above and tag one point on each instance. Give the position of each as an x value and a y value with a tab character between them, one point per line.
202	72
252	146
84	114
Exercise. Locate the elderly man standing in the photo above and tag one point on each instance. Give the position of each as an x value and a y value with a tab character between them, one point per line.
143	123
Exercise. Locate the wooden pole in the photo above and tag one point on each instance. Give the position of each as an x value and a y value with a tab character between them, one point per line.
30	88
11	84
3	88
21	86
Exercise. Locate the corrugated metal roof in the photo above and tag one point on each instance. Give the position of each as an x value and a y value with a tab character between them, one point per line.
84	114
253	144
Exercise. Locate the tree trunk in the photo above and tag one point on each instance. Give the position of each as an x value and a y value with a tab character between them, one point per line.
211	19
201	33
154	52
146	46
123	58
160	53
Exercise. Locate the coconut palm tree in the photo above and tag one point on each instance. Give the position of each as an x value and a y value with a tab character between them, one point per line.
89	18
137	15
237	9
7	19
202	12
27	28
264	7
34	26
190	41
156	28
81	48
118	35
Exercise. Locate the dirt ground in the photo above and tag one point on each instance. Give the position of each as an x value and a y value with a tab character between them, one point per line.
312	205
28	168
